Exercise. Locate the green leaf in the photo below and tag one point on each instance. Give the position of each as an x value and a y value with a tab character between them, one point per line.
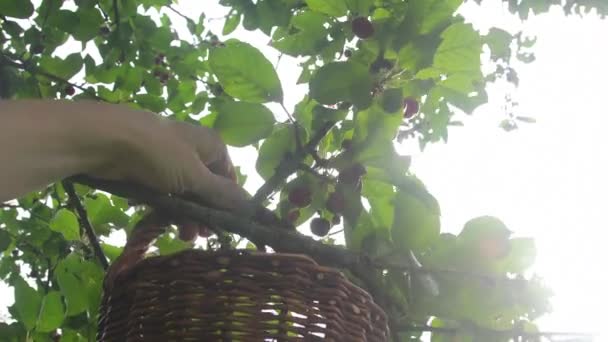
71	289
307	37
27	302
51	312
274	149
16	8
102	212
458	56
242	123
245	73
232	22
342	81
168	245
499	42
130	79
359	7
416	225
89	21
336	8
152	103
5	240
112	252
66	223
64	68
522	255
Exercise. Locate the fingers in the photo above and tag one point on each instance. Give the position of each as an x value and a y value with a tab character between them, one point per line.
209	146
220	191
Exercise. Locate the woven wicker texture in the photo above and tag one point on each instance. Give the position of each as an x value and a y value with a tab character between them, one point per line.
196	295
237	296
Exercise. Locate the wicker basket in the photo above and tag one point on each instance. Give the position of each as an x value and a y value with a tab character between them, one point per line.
196	295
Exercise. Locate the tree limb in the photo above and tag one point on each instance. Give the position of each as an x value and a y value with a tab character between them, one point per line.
84	222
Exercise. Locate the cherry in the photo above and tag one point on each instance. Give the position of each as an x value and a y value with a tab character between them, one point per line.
319	226
411	107
293	216
352	175
335	202
37	49
347	144
104	31
69	90
362	27
335	220
300	197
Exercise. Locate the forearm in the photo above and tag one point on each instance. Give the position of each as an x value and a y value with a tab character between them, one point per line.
43	141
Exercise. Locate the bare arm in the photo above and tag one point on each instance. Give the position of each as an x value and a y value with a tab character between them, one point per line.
43	141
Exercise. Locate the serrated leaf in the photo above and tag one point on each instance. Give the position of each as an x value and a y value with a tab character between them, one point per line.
27	303
242	123
245	73
458	56
336	8
342	81
51	312
16	8
66	223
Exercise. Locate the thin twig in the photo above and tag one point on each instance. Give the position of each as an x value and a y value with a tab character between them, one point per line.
322	177
179	13
84	222
36	71
116	15
290	164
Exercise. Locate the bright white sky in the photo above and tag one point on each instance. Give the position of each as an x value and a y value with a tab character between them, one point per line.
546	180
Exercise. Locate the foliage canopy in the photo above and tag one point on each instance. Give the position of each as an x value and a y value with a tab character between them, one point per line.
402	74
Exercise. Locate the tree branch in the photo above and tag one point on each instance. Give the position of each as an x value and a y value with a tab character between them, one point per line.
84	222
280	240
494	332
290	164
35	71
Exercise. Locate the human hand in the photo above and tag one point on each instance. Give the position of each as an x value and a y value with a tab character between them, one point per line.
175	157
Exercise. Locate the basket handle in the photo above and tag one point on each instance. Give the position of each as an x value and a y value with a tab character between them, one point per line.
144	233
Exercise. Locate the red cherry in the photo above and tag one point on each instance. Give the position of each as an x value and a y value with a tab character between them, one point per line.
335	202
352	175
362	27
300	197
319	226
411	107
347	144
293	216
335	220
69	90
